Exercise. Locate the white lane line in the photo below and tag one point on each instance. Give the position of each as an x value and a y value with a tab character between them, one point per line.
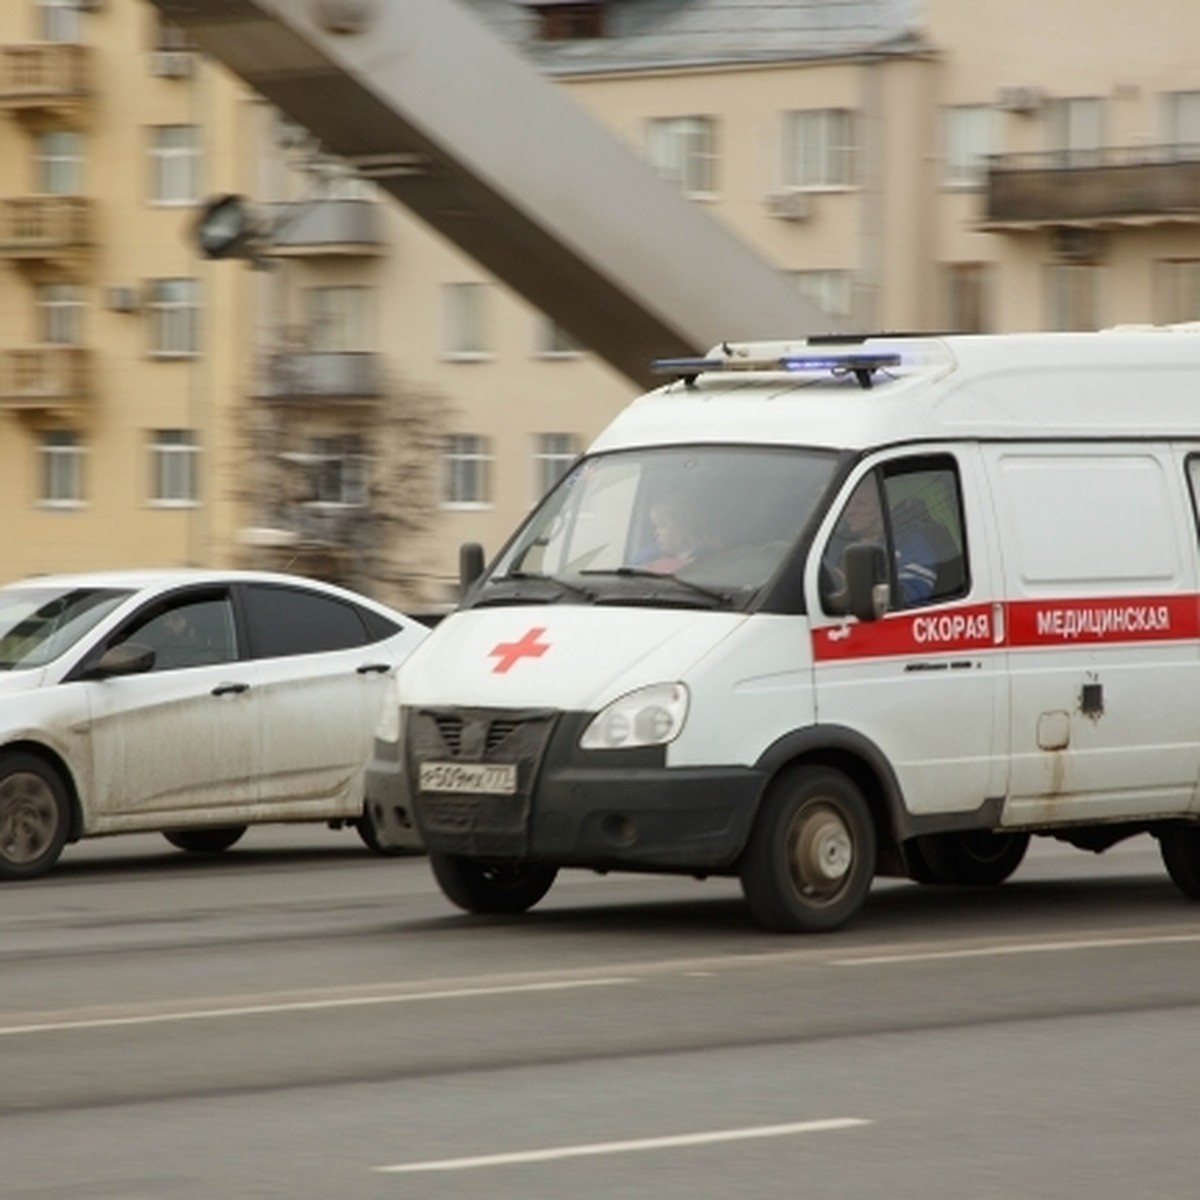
291	1006
1113	943
656	1143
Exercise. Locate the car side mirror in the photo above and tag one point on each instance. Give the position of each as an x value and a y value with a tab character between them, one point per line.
470	566
867	587
127	658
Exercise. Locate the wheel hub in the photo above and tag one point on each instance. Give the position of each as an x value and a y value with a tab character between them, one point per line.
823	852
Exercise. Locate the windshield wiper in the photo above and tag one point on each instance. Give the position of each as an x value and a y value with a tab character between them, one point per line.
665	577
518	577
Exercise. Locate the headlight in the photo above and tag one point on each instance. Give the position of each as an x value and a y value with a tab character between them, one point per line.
651	716
387	724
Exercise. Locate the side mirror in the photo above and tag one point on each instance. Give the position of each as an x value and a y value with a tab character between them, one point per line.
470	566
867	586
128	658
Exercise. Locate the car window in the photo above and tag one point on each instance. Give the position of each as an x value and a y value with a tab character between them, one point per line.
192	633
288	620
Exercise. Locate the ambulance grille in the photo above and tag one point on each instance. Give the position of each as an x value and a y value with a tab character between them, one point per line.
499	729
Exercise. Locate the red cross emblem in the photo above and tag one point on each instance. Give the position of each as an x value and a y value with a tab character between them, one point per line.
507	653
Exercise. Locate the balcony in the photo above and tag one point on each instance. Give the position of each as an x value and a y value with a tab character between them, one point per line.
37	378
1136	185
44	228
315	377
44	77
345	228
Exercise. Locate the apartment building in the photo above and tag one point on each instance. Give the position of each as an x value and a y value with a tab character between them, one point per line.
370	398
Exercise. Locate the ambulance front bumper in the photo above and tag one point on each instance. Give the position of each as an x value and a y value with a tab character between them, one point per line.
569	807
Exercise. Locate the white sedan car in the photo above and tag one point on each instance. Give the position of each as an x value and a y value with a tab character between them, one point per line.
190	702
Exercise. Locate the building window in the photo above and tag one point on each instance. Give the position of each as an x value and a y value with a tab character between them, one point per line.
1071	302
553	454
59	21
340	320
174	315
553	341
173	455
818	148
1181	123
968	137
830	291
168	36
467	474
1075	130
966	297
174	164
683	152
62	468
339	470
464	320
1176	290
570	20
60	314
59	165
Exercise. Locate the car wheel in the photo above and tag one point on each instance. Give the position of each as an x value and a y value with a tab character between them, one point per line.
811	856
34	816
490	886
1179	846
205	841
979	858
368	830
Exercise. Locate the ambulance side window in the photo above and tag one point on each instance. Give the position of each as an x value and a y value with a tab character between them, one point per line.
913	508
1193	474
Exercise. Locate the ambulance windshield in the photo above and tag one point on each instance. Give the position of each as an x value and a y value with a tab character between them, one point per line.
703	526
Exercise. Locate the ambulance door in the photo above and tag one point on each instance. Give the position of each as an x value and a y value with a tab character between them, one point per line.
923	682
1099	553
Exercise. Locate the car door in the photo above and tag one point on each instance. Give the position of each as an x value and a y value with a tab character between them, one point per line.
322	665
180	738
1099	553
924	683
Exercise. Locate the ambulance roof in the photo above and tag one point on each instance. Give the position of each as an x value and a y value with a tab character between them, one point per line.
844	393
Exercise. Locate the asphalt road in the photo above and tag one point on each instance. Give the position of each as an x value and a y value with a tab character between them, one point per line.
300	1019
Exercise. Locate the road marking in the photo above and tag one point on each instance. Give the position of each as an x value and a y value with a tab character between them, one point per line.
1113	943
656	1143
56	1025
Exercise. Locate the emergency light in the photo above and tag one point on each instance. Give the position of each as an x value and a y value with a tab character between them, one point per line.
861	365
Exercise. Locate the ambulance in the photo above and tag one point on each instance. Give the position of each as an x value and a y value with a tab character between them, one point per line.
933	596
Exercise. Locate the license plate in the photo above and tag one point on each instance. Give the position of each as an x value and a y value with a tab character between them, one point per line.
496	779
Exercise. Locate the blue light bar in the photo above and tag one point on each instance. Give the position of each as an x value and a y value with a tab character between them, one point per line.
861	365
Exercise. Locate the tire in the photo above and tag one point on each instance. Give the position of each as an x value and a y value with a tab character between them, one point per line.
979	858
35	816
369	832
811	856
1179	846
205	841
489	886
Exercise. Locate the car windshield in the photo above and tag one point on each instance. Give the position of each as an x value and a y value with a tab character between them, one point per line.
37	624
685	526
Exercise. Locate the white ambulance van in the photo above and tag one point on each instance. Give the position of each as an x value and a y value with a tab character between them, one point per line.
821	610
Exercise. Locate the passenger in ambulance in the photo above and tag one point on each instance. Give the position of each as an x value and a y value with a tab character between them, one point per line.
681	533
862	521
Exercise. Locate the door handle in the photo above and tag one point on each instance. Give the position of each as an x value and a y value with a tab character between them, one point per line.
374	668
230	689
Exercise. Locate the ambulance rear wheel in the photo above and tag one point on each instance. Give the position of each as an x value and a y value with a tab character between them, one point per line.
1180	849
479	885
979	858
811	857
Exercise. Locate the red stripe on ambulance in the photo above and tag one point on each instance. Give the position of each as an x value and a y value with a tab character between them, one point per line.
1026	623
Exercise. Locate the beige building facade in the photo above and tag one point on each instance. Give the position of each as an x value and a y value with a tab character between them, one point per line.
370	398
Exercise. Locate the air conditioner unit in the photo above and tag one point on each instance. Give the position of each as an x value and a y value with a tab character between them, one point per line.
122	297
1024	100
171	64
790	205
1077	244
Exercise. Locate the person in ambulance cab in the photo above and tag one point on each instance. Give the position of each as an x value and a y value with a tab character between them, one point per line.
681	533
862	521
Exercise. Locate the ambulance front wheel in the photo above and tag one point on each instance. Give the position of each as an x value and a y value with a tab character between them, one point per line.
479	885
811	857
1180	849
